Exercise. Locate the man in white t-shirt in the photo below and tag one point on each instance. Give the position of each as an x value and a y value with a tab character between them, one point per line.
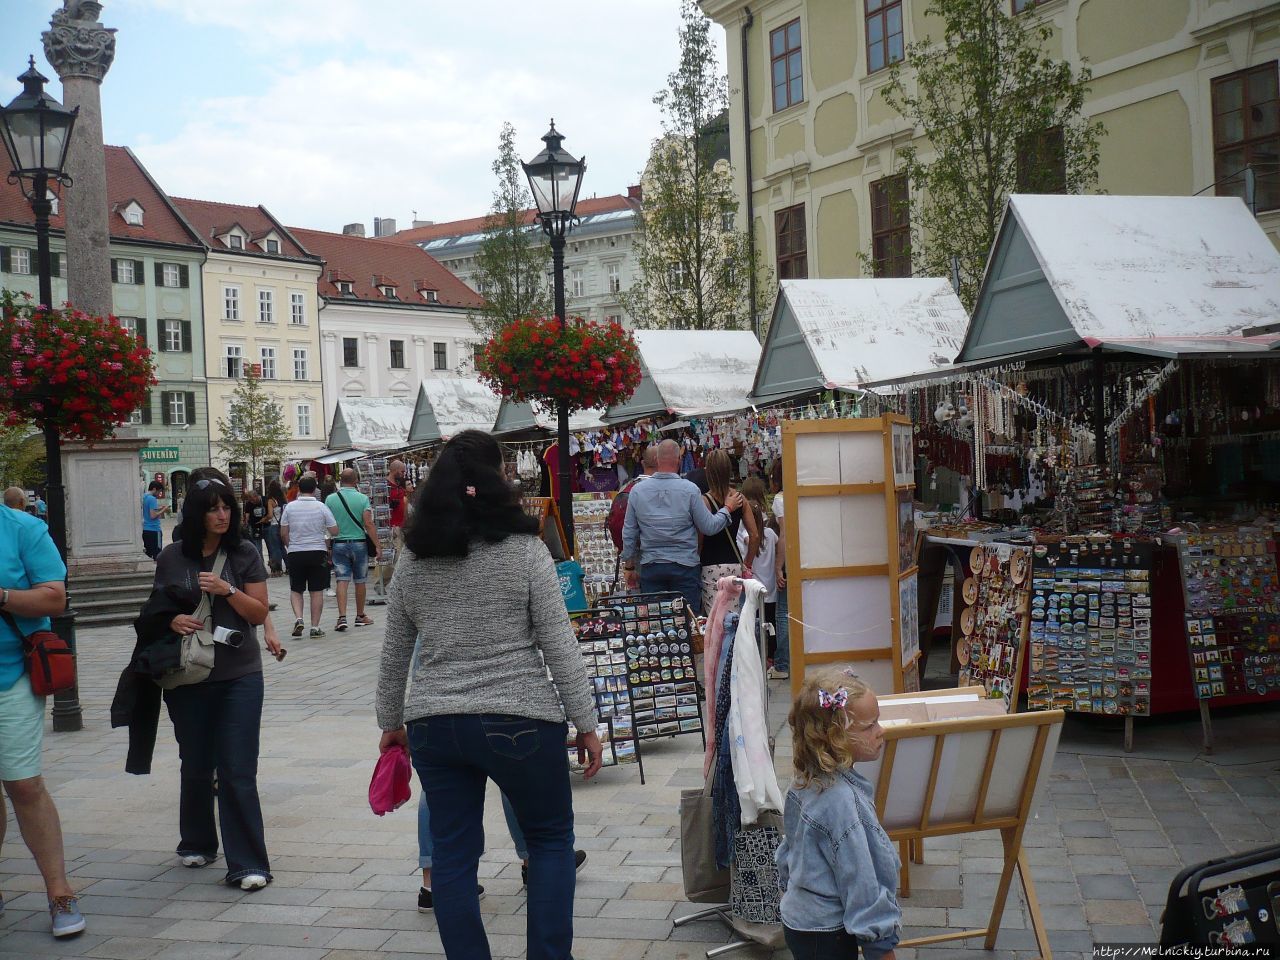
303	526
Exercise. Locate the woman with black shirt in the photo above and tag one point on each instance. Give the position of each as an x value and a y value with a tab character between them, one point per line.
719	553
217	722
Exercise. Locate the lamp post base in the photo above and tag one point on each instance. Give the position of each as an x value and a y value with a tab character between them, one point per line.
67	715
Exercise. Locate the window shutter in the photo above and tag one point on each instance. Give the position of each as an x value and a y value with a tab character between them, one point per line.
162	337
55	264
138	276
141	324
159	274
164	407
184	275
191	404
146	407
4	259
115	270
186	336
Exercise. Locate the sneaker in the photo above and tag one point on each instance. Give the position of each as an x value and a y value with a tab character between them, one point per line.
426	904
316	632
67	920
254	881
331	592
364	621
298	627
776	674
197	860
341	625
579	858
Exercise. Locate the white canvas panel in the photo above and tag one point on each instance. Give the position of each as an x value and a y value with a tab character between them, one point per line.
821	532
965	759
848	613
862	457
862	528
817	458
1009	772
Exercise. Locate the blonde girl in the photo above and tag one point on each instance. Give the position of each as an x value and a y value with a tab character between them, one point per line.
837	866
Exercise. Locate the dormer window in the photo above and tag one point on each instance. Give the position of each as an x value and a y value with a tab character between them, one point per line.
272	246
132	213
388	291
235	241
431	296
346	288
269	242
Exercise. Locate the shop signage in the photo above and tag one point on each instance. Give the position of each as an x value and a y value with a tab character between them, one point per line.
161	454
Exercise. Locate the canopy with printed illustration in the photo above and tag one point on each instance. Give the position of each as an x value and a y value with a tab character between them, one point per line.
448	405
371	424
691	373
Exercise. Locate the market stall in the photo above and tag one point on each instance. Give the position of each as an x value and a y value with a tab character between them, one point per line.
690	372
449	405
370	424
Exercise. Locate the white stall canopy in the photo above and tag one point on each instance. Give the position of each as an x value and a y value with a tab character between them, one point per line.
521	417
371	424
691	373
448	405
843	334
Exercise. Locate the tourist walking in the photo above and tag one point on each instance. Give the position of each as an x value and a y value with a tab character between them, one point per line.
719	554
217	722
836	865
399	490
665	514
351	509
32	589
15	498
255	512
303	526
152	512
497	672
271	527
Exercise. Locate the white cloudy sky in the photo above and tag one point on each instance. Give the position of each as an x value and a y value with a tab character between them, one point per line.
332	111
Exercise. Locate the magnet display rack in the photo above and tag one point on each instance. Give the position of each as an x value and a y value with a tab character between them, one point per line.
372	483
994	622
594	544
601	641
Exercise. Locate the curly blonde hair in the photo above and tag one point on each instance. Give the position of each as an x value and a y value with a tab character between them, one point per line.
820	734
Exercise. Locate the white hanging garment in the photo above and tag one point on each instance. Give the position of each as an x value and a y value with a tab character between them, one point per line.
753	772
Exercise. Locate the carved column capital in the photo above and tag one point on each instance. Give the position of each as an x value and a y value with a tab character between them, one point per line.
77	44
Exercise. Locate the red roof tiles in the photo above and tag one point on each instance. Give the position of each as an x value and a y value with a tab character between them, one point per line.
368	263
459	228
211	220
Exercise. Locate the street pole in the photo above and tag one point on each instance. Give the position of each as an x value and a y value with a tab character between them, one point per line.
562	406
67	715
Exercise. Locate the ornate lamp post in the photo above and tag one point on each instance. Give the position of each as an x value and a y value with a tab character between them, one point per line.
555	178
37	132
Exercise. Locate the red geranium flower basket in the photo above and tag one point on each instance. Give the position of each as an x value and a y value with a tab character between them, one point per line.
583	364
82	375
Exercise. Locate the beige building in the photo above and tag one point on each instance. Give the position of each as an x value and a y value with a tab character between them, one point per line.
260	307
1186	89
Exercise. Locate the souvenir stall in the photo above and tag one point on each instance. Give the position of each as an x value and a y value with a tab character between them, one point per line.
1111	417
364	425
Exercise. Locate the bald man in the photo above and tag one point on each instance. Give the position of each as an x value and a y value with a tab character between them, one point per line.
15	499
665	514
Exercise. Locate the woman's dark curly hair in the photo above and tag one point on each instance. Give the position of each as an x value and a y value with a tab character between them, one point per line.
447	517
276	492
200	501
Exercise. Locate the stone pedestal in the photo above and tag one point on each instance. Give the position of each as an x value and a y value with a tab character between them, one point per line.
104	508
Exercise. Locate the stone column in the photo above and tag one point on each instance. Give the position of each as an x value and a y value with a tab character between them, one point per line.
81	50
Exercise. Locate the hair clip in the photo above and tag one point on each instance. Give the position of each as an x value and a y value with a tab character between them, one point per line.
470	491
830	701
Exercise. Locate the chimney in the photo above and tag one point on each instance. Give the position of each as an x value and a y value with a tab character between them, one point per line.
353	230
383	226
423	223
634	192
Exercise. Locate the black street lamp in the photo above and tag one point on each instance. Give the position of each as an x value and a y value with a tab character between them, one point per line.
37	133
555	178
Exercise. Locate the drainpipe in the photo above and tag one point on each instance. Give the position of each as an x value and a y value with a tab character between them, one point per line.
751	208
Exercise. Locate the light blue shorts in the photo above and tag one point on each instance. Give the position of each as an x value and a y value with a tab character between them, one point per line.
21	731
351	560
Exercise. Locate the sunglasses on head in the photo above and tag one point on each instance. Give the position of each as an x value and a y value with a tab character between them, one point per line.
201	484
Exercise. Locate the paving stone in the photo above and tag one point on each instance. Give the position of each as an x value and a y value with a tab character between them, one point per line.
1115	912
126	948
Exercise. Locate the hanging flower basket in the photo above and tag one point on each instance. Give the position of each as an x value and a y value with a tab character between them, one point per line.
584	364
81	374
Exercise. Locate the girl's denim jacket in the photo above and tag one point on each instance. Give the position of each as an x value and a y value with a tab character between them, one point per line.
837	866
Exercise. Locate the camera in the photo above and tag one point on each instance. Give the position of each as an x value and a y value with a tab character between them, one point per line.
225	635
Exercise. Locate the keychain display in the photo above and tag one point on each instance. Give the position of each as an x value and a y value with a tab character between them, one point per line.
595	550
1091	626
994	624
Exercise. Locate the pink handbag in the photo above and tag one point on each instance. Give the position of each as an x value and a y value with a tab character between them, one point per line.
389	787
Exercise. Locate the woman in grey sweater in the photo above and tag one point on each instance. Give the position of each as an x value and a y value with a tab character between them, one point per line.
481	589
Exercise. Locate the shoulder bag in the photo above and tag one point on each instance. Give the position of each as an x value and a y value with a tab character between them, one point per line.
196	652
368	540
49	661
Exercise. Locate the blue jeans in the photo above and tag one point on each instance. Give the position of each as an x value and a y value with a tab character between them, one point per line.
782	657
662	577
426	847
217	726
350	560
455	755
275	548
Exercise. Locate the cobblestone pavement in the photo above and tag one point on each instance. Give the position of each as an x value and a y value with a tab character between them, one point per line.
1112	831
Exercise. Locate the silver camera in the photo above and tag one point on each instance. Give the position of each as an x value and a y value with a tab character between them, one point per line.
227	636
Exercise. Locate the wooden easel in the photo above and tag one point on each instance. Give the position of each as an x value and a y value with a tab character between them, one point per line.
1010	751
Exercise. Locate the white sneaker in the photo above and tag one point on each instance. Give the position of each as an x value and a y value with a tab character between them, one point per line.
197	860
776	674
254	881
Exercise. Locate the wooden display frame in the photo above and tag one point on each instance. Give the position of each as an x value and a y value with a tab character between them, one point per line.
801	496
553	535
972	800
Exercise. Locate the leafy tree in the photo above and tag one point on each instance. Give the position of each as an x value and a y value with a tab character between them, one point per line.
512	263
695	264
21	452
255	429
1000	115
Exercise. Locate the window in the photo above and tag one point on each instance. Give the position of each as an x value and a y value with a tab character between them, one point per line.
788	228
170	275
133	215
297	309
388	291
19	260
1042	162
613	318
884	33
234	357
891	227
726	221
230	303
477	349
1020	5
143	413
345	288
129	323
266	306
124	271
1246	133
431	296
267	358
350	352
577	284
171	336
441	352
273	246
675	275
235	241
176	405
614	273
304	419
397	354
299	363
784	65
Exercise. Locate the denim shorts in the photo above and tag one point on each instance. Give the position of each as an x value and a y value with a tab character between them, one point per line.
21	731
351	560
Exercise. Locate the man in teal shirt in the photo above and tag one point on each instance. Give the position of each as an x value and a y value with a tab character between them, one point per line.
351	509
32	588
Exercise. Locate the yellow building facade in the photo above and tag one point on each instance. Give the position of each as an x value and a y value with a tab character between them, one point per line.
1186	90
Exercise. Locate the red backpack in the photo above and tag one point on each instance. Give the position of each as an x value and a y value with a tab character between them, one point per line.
618	512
